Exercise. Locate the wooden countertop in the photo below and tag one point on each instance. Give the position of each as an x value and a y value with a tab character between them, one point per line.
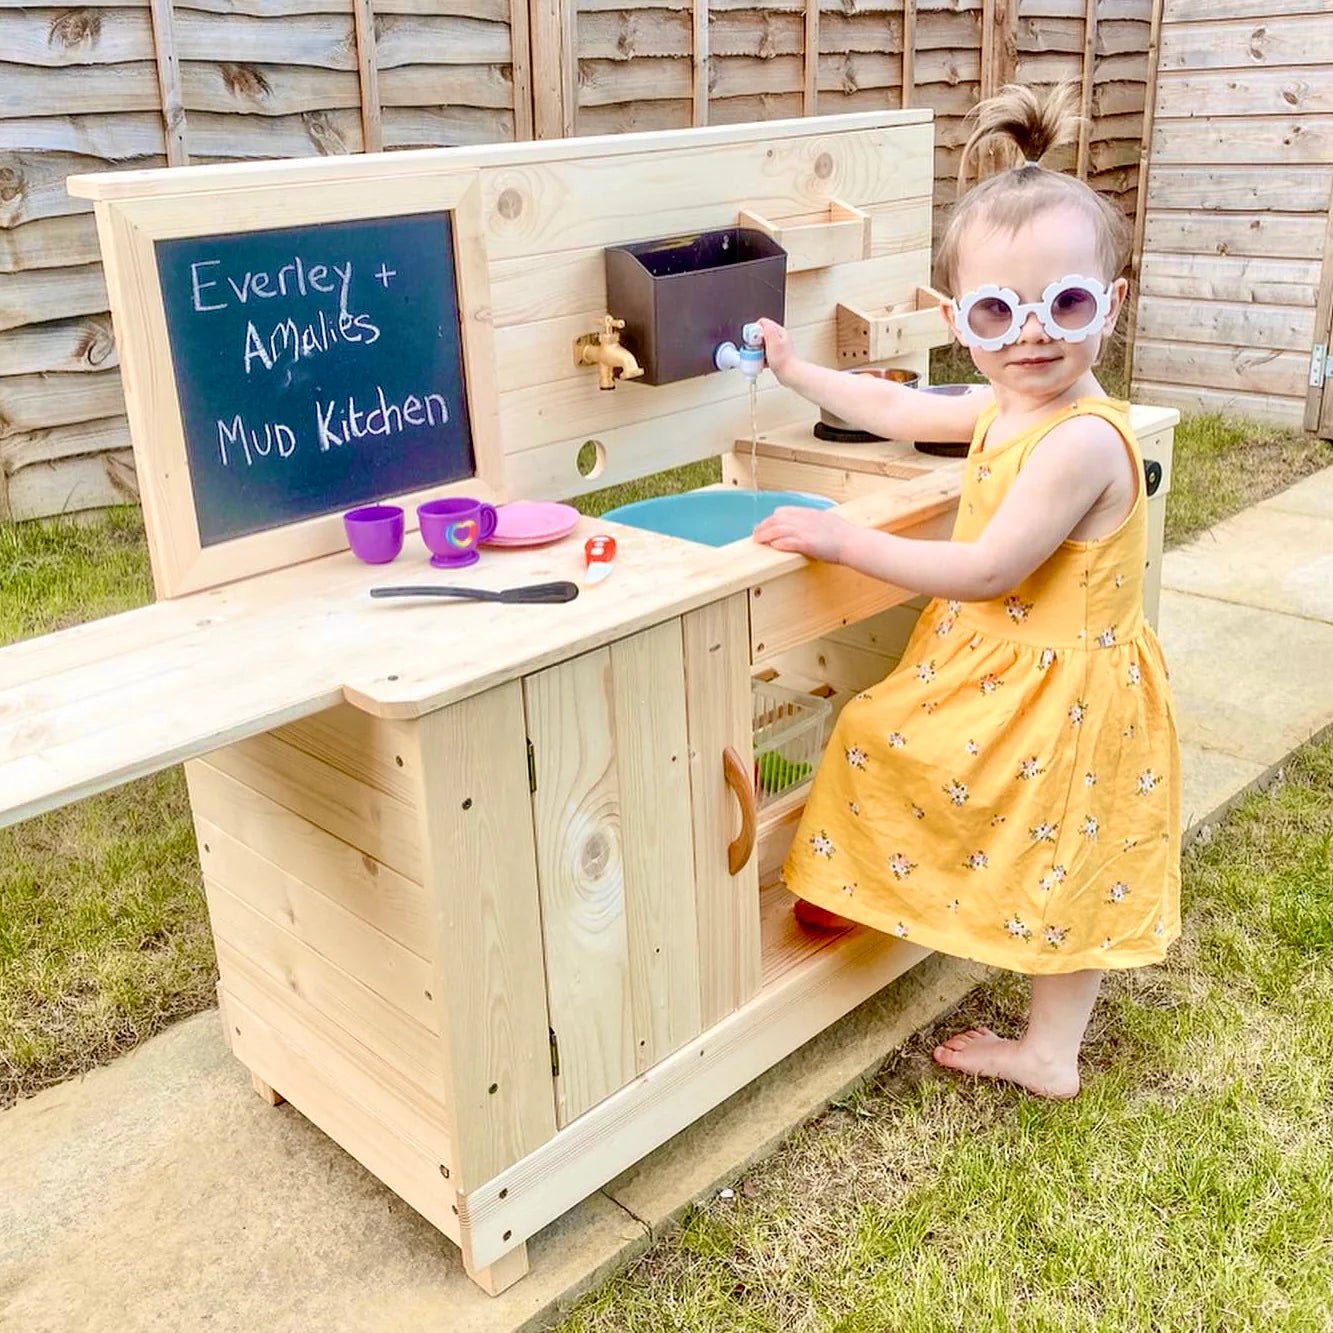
97	705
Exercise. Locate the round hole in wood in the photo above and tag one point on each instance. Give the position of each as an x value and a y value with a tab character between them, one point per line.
467	805
591	460
493	1089
444	1171
393	677
398	759
506	1235
504	1193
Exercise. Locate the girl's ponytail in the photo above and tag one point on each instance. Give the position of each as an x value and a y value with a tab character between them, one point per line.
1029	124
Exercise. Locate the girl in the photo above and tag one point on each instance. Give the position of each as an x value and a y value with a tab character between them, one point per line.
1011	792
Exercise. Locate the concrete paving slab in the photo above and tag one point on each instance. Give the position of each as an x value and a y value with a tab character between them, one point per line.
1213	782
161	1193
1249	683
1313	496
1266	557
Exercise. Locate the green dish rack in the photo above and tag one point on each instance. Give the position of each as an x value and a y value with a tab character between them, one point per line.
790	732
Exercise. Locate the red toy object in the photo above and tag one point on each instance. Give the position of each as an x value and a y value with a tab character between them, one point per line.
599	553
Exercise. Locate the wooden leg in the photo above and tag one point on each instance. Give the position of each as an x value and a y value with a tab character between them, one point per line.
267	1093
503	1273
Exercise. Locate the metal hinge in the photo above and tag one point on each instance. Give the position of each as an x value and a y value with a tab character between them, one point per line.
1321	365
555	1055
532	768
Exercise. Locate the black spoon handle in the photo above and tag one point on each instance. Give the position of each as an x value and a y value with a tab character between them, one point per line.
542	592
472	594
532	594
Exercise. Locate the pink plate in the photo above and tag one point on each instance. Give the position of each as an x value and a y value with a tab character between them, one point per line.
533	523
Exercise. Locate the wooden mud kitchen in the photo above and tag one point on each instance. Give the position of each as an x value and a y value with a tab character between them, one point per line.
494	887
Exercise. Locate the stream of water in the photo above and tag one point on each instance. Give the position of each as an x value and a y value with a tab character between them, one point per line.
754	445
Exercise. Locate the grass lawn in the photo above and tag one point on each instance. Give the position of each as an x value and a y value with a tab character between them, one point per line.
103	931
1189	1186
103	934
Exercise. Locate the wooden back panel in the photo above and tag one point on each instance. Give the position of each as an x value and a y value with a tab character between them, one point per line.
547	210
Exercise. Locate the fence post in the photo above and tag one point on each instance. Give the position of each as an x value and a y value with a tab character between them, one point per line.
367	64
909	54
702	69
554	68
1089	81
810	104
1141	197
520	50
169	83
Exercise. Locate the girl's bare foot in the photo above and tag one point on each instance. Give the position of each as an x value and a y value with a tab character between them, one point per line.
817	918
981	1053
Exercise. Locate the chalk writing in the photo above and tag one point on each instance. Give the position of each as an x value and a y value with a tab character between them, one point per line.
343	420
311	379
289	341
266	286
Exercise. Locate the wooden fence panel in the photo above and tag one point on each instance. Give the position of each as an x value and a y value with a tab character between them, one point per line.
128	84
141	83
668	64
1235	219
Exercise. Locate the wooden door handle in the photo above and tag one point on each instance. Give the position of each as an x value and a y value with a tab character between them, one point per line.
741	781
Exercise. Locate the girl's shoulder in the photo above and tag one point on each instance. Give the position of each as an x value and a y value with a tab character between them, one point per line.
1115	410
1020	442
1073	421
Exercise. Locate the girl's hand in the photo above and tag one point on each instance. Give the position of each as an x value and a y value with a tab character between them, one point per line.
816	533
779	351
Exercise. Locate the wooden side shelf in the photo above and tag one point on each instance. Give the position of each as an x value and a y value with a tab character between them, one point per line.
871	336
816	240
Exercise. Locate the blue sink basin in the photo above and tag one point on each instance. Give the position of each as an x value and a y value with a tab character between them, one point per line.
711	518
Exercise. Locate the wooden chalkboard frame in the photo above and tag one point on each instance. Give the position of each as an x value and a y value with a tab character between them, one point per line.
128	234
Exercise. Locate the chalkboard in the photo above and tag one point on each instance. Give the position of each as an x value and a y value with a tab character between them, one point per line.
317	368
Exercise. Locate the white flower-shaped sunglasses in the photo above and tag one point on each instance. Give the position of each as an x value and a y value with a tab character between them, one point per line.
993	317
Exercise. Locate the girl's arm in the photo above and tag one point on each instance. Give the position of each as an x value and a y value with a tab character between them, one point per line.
1063	478
883	408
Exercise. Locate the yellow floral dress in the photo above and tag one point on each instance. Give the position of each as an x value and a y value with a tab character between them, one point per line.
1011	793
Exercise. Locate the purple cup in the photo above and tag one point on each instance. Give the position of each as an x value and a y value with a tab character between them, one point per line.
453	529
375	533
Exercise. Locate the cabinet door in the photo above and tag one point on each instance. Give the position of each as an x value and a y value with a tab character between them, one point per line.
717	689
615	861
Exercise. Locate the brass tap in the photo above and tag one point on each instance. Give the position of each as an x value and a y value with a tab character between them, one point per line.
604	351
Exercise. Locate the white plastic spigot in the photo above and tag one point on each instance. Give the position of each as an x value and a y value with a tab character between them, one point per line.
748	358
